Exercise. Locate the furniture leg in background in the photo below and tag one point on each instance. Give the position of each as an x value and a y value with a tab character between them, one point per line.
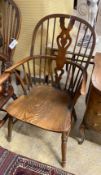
92	116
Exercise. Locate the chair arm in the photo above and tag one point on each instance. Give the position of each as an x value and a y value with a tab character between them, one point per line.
13	68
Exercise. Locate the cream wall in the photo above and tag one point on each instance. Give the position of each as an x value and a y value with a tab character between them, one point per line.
31	12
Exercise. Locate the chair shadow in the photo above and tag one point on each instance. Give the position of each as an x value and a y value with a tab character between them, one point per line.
38	133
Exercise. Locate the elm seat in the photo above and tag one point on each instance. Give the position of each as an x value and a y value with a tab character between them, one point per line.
44	107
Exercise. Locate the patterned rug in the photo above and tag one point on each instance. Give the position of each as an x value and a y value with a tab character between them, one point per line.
13	164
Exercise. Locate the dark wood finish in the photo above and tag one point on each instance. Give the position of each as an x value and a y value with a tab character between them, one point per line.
10	22
2	122
9	28
92	116
4	77
51	84
4	96
10	126
3	100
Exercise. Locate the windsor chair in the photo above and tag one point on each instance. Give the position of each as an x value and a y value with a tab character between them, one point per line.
10	22
52	84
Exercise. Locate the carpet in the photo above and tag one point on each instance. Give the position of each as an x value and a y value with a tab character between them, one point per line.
13	164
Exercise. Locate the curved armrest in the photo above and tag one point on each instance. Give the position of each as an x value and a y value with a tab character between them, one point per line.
25	78
12	68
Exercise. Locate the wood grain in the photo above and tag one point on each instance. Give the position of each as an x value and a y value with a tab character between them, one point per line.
4	99
92	118
45	107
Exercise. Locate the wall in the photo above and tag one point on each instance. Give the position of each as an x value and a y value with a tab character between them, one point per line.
32	11
82	12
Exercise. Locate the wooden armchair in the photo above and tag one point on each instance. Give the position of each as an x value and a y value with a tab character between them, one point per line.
10	22
51	84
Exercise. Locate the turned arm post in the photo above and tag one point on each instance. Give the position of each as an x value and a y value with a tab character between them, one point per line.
4	85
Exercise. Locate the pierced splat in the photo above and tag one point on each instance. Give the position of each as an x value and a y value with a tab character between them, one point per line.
64	40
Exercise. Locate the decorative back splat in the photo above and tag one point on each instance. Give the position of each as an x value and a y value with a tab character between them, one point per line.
64	40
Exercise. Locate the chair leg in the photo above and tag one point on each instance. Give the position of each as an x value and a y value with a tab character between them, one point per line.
74	115
82	134
2	122
64	147
14	96
10	126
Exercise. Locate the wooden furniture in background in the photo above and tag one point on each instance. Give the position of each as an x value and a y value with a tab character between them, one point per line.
92	116
10	22
52	84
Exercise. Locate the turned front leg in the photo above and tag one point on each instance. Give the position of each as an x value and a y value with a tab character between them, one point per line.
82	134
64	147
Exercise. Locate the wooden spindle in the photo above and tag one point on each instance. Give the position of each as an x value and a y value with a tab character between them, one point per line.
47	35
29	74
34	74
21	81
76	41
26	77
81	44
86	48
53	35
7	25
46	48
